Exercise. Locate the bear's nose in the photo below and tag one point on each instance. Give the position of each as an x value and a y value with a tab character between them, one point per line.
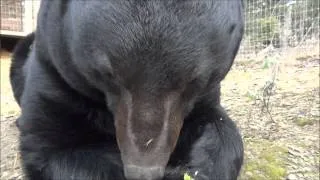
133	172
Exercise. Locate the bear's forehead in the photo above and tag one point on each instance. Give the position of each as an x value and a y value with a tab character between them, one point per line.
164	50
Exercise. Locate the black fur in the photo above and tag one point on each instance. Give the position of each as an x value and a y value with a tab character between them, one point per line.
20	54
86	52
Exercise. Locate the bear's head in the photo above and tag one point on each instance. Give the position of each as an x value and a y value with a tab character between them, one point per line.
152	68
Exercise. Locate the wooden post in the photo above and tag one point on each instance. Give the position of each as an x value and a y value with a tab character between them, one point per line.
27	18
35	10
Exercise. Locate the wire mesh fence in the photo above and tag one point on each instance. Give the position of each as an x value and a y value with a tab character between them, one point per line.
18	17
280	25
11	15
271	25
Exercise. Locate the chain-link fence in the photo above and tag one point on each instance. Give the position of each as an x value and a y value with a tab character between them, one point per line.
11	15
270	24
18	17
279	25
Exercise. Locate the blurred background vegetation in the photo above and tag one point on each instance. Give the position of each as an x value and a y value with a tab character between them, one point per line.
280	23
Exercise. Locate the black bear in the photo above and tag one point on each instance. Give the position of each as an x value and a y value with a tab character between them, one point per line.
128	89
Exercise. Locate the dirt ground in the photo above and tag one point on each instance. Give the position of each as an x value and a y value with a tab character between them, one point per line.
281	135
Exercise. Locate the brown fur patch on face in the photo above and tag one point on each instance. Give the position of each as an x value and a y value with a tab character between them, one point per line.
148	128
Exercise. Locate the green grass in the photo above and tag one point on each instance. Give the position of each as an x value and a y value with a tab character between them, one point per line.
303	121
268	162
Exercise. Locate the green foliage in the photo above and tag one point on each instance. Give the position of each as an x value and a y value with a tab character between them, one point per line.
268	62
186	176
302	121
265	20
252	95
268	29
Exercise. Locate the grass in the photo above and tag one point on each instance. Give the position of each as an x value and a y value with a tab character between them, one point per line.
303	121
267	162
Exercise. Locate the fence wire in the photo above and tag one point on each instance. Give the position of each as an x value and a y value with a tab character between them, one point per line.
270	24
280	25
11	13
